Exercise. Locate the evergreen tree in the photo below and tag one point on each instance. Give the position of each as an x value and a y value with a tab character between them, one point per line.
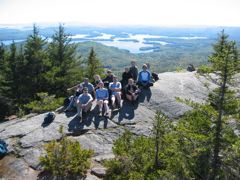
35	65
12	72
2	64
5	102
93	66
225	62
65	68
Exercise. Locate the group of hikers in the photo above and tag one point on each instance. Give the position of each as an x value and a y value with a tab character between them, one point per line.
110	89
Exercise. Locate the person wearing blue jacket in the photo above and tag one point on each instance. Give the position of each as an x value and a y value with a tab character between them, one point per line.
102	98
144	78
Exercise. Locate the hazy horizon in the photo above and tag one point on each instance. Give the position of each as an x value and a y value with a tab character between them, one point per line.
156	13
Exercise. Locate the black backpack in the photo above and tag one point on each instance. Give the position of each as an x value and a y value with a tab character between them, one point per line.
190	68
3	148
155	76
66	102
49	117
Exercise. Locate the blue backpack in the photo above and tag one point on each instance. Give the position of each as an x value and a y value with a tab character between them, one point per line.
3	148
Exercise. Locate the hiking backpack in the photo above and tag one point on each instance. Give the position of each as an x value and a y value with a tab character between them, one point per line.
3	148
155	76
49	117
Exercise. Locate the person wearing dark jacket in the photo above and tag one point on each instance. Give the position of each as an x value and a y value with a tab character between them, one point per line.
131	91
134	70
126	75
108	79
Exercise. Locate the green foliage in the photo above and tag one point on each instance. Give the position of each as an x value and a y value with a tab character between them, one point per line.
93	66
44	103
204	69
183	150
66	157
6	104
35	65
225	62
64	70
133	157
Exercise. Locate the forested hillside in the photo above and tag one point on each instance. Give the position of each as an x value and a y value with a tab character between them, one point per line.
168	58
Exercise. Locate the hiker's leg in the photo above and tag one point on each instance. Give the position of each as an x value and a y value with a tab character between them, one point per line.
100	104
135	96
118	97
129	97
79	109
113	101
105	105
88	107
71	103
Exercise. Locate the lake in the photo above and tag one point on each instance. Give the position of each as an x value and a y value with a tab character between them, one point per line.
134	43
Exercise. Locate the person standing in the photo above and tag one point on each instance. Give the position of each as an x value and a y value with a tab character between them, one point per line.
134	70
126	75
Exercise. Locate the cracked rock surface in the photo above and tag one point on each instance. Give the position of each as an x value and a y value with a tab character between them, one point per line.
26	137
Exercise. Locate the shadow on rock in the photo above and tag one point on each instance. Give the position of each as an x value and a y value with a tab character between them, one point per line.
127	111
96	119
76	126
145	94
70	113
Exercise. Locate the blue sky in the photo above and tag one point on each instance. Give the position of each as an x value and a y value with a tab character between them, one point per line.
122	12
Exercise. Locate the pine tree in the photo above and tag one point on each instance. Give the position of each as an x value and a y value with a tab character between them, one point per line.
5	102
2	63
225	62
93	66
65	67
12	71
35	65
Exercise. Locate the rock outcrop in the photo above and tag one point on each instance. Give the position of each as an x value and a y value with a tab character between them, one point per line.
26	137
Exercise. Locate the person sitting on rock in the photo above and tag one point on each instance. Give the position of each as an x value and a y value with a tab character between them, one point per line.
88	85
144	78
97	79
108	79
134	70
102	99
125	76
84	102
131	91
115	88
78	91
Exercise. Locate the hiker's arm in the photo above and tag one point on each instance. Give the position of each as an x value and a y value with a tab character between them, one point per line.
74	87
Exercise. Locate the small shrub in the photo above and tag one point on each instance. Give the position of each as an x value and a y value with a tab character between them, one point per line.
180	69
204	69
65	158
45	103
